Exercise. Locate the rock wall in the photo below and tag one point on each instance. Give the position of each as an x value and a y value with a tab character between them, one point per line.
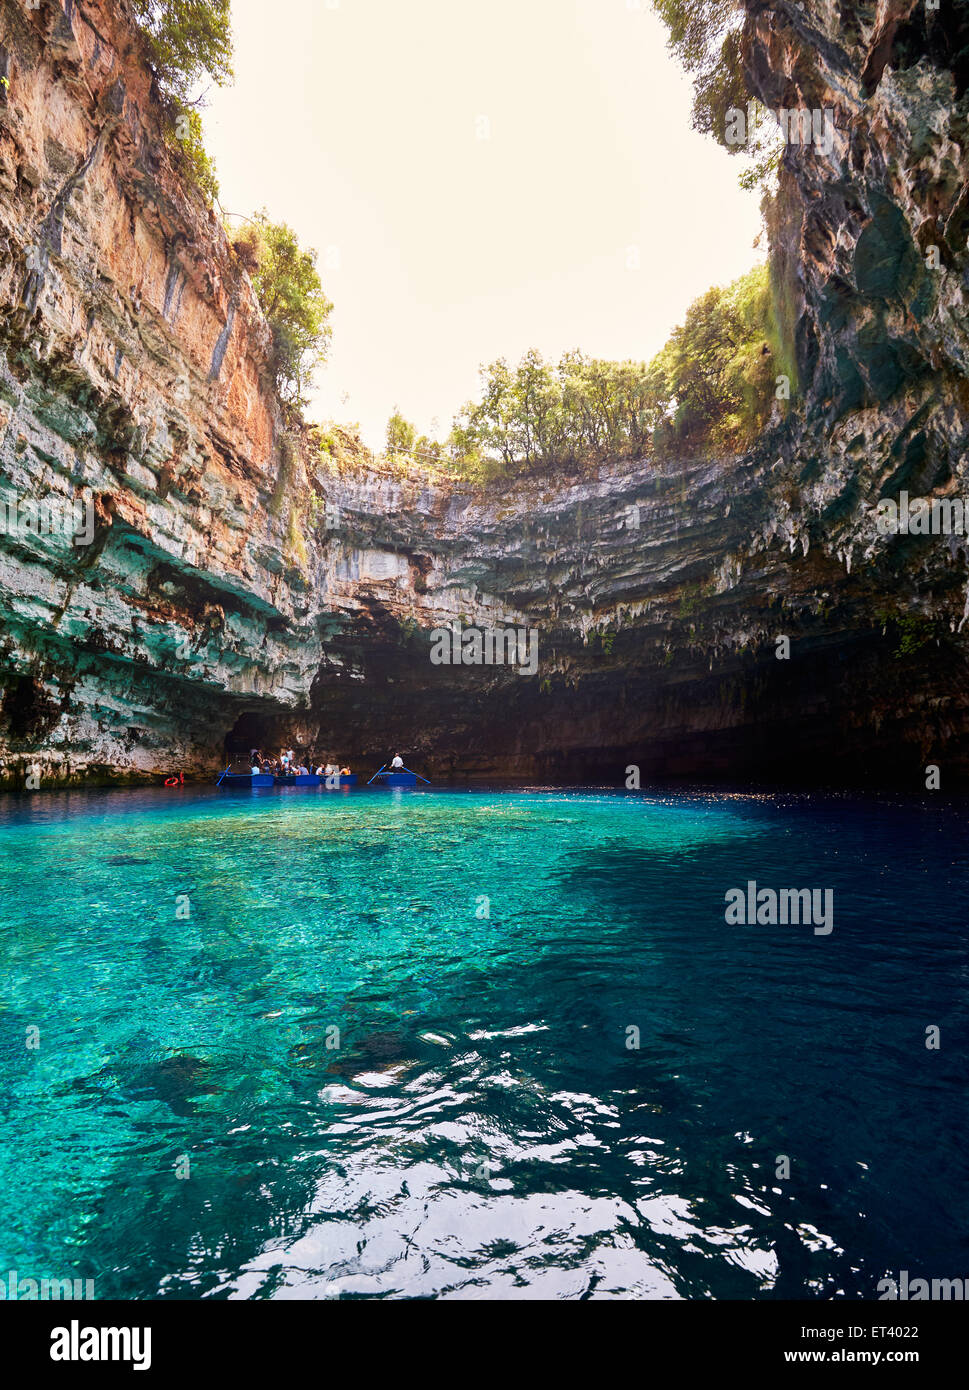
233	584
133	376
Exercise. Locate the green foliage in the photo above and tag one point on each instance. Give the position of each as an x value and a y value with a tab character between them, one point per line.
188	40
401	434
289	289
185	139
705	36
911	631
763	172
538	416
782	214
286	477
711	386
295	548
717	372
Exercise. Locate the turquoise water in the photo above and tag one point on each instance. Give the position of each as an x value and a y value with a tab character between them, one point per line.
188	1126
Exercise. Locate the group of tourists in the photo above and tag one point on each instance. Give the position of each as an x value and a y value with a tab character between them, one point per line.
288	764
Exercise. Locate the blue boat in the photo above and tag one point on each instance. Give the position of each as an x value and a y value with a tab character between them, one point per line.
245	781
312	780
391	778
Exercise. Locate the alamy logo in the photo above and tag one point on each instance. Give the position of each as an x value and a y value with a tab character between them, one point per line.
791	906
72	517
77	1343
921	516
476	646
914	1290
799	125
13	1289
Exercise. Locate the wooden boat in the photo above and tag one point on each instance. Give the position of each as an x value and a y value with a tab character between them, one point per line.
312	780
389	777
244	781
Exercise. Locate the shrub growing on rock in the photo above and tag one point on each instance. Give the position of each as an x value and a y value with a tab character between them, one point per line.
291	294
188	41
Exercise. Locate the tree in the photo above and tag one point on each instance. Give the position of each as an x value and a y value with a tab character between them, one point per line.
401	434
291	294
711	386
715	375
705	36
187	41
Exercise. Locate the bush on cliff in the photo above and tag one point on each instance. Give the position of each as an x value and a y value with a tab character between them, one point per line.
188	40
401	435
705	35
716	374
290	291
186	139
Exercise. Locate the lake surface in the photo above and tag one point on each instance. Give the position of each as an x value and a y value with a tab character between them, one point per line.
378	1044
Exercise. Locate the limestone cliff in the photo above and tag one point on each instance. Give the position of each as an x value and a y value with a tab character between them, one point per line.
238	586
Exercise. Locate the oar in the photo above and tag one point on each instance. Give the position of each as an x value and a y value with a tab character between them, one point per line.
376	775
225	774
417	775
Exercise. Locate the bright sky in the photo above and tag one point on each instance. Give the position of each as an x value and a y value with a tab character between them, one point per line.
479	177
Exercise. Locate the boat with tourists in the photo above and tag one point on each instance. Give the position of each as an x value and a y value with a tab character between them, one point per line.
288	771
245	781
331	781
397	775
259	771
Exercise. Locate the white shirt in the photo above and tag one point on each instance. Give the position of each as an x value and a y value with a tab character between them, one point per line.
398	762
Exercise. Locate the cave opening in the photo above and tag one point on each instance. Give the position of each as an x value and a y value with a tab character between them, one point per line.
251	730
27	710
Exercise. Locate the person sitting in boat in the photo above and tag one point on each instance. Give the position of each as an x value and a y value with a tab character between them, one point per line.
345	772
331	769
255	769
398	762
319	771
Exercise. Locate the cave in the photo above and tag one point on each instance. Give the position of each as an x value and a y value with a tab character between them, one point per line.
27	710
251	730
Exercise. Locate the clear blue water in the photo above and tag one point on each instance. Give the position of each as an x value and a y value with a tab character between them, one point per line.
482	1130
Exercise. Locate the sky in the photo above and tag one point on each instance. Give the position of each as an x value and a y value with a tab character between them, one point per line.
479	177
